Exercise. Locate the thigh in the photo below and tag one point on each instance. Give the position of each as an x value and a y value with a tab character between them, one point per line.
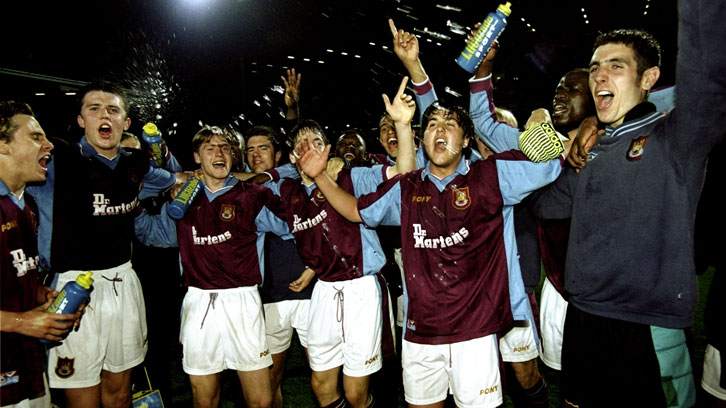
712	372
425	380
278	327
475	373
362	326
301	319
552	318
325	341
519	343
598	352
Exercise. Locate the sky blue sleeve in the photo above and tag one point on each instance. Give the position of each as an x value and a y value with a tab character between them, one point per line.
156	230
266	221
366	179
386	210
288	171
156	181
425	96
499	136
519	178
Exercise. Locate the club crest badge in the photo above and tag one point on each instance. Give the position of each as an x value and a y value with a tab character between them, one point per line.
637	146
227	212
64	367
461	200
318	196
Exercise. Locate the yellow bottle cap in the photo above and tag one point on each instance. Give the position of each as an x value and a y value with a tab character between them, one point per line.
85	280
503	8
151	129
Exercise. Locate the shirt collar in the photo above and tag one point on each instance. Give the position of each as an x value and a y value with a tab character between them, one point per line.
5	191
462	168
88	151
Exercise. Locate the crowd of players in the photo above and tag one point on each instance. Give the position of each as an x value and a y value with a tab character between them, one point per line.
420	263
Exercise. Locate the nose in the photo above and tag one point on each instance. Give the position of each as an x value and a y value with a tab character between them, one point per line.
48	145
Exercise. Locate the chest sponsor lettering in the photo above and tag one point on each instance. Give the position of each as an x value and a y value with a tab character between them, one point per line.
298	224
103	206
210	239
420	240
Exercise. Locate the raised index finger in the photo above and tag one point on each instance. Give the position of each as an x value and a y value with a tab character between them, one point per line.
391	24
402	87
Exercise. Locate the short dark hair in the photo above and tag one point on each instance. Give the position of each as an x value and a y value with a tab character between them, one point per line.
646	47
105	86
8	109
456	112
207	132
307	124
264	131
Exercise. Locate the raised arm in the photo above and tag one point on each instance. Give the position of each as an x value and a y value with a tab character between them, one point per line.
292	94
401	111
405	45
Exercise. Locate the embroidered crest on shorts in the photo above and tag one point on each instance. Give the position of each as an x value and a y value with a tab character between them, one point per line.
64	367
227	212
318	196
635	152
461	200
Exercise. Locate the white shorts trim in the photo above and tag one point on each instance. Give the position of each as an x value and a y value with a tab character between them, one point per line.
712	373
345	326
112	333
281	318
552	312
470	369
518	344
223	329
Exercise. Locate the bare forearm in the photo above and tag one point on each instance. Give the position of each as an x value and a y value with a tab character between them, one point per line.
406	158
416	71
341	200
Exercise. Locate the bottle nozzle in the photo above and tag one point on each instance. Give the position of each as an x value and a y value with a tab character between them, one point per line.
85	280
150	129
505	9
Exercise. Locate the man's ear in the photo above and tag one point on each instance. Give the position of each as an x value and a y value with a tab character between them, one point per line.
278	155
127	124
466	142
293	158
4	147
649	78
197	159
80	121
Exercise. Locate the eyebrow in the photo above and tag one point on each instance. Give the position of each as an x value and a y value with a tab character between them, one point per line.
616	59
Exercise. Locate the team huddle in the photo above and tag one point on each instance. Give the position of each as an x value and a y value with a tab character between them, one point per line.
603	188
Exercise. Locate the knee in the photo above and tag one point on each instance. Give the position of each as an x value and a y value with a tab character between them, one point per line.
260	401
275	377
357	397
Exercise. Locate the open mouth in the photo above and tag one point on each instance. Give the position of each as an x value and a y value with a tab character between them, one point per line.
104	131
349	156
603	99
43	162
558	109
440	144
392	142
219	165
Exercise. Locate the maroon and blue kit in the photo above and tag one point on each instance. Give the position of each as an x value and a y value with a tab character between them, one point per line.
455	241
22	358
335	248
221	241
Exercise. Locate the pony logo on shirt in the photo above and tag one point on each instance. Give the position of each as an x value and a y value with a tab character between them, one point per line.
64	367
461	200
637	146
227	212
